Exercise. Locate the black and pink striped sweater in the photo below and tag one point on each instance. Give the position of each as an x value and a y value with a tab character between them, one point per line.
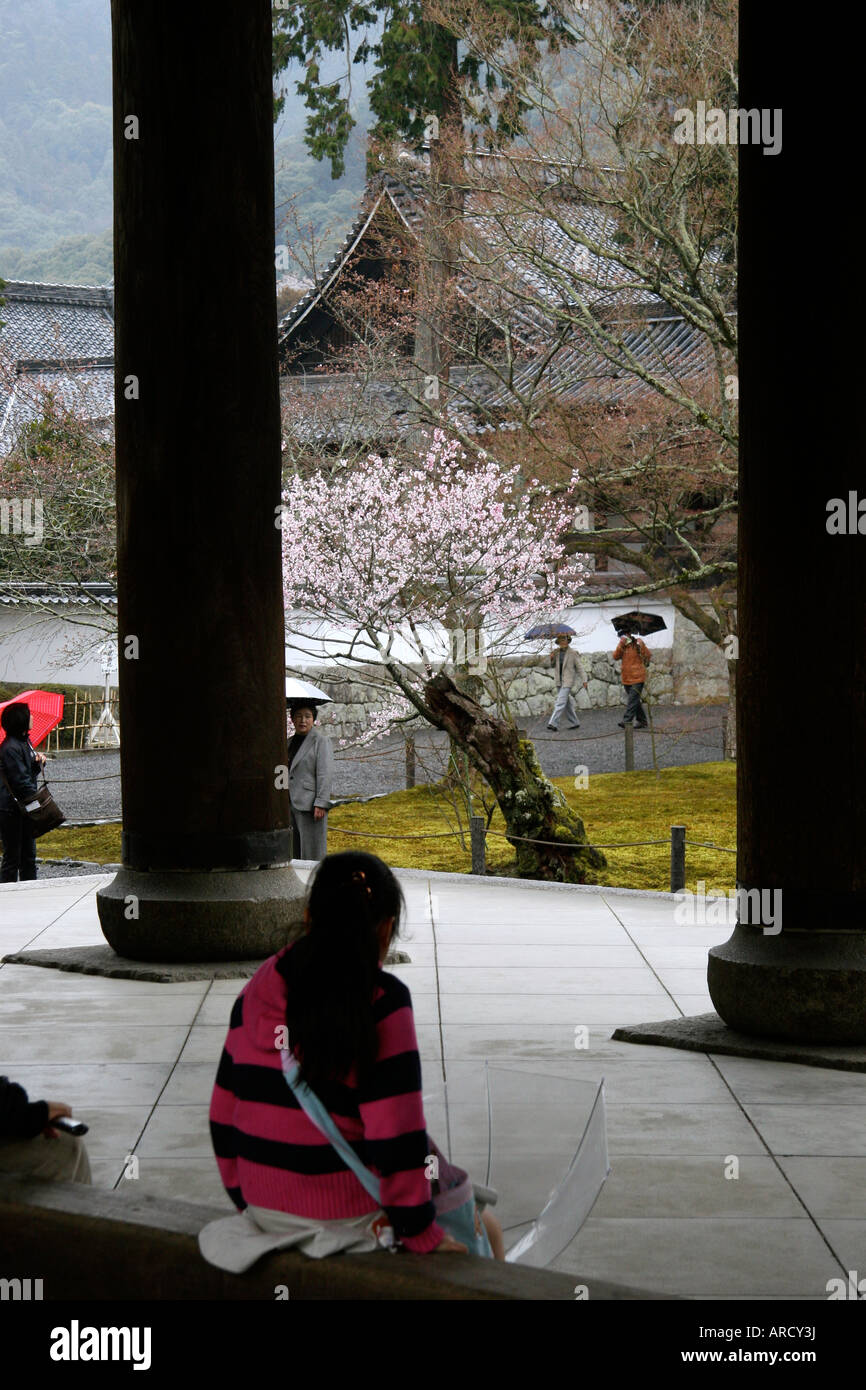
271	1155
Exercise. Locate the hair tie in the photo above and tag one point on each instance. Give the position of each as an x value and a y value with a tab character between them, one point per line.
360	877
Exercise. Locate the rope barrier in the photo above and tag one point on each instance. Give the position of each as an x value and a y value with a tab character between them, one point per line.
573	844
502	834
451	834
87	824
70	781
371	835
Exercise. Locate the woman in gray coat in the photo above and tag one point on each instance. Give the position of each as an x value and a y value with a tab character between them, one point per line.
310	770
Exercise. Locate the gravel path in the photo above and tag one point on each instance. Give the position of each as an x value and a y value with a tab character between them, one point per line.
87	785
682	735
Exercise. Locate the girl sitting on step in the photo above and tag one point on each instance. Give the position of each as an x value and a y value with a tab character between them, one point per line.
317	1118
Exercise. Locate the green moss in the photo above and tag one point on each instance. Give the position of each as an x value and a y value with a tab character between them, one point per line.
566	833
100	844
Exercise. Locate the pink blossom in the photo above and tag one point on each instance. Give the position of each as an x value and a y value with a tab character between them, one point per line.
379	546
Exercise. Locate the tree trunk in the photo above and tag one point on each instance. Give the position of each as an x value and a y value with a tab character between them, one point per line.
527	800
440	247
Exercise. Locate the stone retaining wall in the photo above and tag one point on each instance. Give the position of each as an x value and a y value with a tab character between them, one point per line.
699	668
692	670
530	690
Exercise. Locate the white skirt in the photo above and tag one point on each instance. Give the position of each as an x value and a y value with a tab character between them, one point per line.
235	1243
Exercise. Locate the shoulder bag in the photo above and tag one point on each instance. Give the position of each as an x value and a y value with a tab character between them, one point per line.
41	813
455	1201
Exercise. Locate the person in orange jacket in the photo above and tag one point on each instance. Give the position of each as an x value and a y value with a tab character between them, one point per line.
635	658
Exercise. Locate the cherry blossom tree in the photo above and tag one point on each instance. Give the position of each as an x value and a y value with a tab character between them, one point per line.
60	468
421	563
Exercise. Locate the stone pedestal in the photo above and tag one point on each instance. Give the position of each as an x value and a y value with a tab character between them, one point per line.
200	917
802	986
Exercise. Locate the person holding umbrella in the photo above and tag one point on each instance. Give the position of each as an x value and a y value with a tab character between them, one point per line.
635	657
310	771
19	768
568	670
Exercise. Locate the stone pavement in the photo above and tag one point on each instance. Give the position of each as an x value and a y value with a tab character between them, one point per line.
506	972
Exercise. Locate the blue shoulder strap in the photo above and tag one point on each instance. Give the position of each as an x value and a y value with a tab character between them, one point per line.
315	1111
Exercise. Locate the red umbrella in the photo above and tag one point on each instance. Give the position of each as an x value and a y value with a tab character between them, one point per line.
46	707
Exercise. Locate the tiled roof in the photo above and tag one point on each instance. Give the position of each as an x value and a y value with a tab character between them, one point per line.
56	321
661	341
603	282
518	240
373	413
75	594
57	339
667	347
83	387
299	310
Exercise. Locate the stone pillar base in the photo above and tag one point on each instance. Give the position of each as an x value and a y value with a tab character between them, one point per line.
803	986
164	916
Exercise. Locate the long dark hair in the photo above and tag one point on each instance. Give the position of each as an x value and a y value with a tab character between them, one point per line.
15	719
331	971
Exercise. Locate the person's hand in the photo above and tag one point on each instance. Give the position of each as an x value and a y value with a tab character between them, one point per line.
450	1246
55	1108
40	758
319	812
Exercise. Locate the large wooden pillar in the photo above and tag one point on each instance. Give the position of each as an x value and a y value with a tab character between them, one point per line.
206	840
801	687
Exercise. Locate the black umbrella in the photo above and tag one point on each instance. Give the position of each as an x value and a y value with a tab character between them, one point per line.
551	630
641	623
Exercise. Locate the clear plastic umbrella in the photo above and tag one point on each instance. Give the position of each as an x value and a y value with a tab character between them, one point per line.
539	1141
304	690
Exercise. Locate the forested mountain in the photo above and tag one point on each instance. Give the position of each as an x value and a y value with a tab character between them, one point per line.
55	148
56	160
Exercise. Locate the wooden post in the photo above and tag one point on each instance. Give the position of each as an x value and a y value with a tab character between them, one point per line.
629	748
678	858
194	207
800	829
478	832
649	715
410	760
729	742
75	722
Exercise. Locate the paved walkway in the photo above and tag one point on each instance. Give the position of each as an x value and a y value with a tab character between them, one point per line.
505	972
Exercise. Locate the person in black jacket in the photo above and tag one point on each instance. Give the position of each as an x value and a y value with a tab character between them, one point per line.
20	767
28	1144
